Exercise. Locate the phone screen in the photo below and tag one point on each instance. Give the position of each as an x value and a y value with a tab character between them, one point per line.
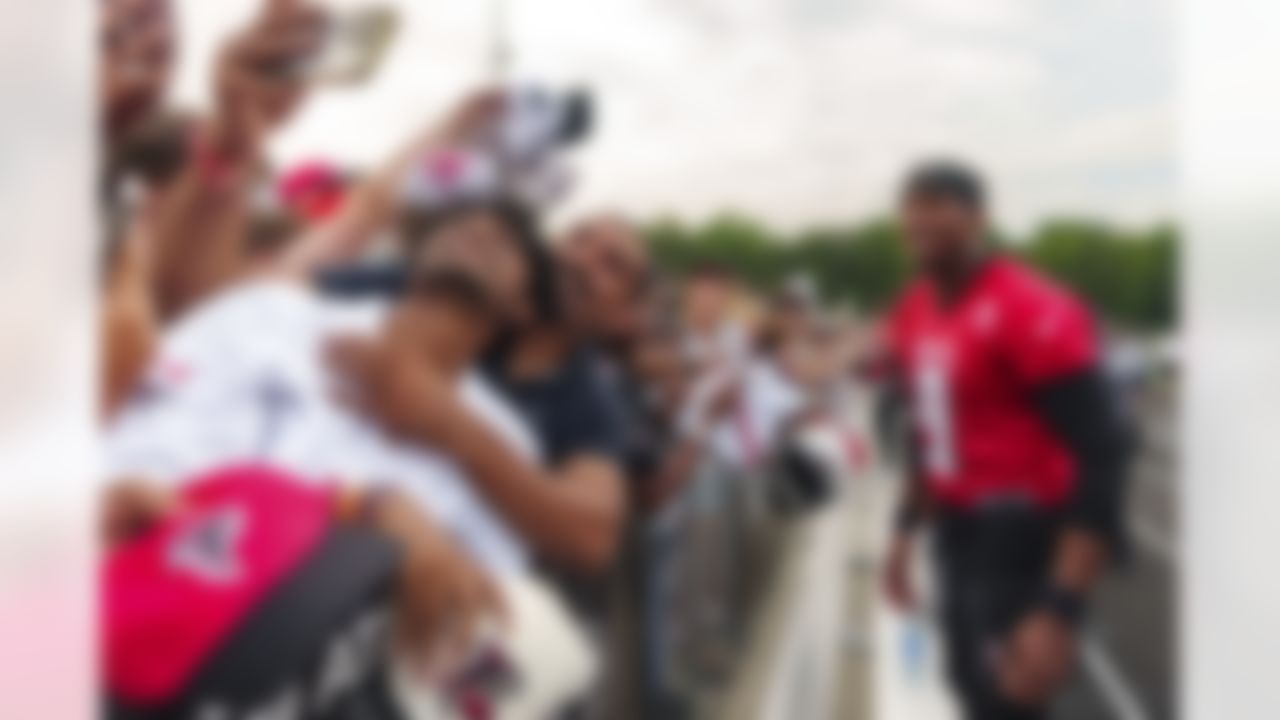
357	41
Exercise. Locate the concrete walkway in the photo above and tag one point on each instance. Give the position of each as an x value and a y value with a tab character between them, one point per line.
825	645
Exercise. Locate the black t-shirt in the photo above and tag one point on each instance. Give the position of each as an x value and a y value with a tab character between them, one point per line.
573	410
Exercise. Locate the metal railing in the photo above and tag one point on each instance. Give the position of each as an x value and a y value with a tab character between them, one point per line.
696	574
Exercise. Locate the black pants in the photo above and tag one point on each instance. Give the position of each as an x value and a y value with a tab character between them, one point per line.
991	566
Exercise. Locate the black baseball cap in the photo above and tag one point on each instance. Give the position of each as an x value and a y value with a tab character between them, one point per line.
946	178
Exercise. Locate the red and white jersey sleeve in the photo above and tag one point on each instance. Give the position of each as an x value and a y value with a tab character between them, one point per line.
1048	333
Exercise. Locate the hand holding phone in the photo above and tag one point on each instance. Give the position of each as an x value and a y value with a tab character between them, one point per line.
256	88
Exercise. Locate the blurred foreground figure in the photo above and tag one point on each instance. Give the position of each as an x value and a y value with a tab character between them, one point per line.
243	380
175	189
1016	453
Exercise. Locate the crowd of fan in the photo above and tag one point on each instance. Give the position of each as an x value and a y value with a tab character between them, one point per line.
504	405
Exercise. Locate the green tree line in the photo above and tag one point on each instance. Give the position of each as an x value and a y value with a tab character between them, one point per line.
1129	276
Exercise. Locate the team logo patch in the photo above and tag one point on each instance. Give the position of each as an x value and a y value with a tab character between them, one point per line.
208	548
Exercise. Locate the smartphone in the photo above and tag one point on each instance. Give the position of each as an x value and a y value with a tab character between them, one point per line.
539	121
355	44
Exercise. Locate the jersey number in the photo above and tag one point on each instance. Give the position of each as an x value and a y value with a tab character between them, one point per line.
933	411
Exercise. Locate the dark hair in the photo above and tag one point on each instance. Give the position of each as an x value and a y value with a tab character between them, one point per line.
522	224
946	178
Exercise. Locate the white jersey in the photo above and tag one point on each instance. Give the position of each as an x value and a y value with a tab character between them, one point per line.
243	379
767	400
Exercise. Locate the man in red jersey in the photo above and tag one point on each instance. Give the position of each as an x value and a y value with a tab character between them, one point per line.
1017	455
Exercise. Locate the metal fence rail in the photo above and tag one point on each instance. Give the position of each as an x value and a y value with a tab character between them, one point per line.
693	580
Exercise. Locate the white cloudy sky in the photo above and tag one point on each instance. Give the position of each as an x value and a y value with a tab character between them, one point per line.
797	111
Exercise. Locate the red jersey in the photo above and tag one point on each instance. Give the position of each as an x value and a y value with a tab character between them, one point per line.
970	368
171	597
249	593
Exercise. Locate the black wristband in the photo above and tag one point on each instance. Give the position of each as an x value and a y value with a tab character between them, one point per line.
1067	605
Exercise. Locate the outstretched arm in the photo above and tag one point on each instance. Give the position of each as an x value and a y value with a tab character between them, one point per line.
374	202
573	516
201	221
